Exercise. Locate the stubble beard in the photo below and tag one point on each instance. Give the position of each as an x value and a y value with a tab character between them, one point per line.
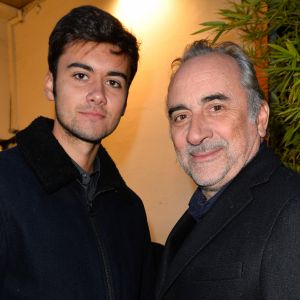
75	132
199	171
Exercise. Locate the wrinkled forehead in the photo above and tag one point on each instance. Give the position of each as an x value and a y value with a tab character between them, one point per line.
208	70
207	63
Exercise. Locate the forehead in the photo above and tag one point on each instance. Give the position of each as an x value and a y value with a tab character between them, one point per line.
206	74
99	52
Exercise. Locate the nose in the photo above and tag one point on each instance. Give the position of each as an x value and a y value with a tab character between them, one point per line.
96	94
198	131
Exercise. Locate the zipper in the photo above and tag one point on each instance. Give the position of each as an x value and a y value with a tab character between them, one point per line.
100	246
107	269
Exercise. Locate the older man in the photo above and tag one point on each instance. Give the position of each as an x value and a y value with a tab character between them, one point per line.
239	239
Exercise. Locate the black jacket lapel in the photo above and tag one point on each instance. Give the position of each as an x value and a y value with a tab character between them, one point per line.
203	232
175	240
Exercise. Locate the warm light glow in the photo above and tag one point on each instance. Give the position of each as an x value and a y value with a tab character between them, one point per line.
138	14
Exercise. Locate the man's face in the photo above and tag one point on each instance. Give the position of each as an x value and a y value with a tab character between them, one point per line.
209	124
91	90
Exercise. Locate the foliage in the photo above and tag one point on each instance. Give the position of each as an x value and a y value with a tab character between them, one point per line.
269	31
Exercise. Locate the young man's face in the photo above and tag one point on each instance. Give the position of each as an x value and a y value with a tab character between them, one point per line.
212	132
91	90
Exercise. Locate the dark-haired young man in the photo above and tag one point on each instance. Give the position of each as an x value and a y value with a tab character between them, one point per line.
70	228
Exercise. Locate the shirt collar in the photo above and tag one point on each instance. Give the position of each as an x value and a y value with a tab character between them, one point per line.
199	205
85	177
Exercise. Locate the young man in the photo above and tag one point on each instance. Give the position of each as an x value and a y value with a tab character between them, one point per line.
70	228
239	239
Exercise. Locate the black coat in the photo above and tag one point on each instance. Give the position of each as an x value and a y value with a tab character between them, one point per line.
246	247
52	246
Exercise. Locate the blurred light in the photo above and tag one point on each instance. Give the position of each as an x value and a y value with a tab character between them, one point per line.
136	14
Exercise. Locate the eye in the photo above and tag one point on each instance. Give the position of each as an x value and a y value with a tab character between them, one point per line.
217	107
80	76
114	83
178	118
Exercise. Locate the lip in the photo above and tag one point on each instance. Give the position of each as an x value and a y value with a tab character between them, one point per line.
206	156
93	114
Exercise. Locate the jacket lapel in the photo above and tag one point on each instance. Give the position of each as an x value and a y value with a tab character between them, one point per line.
203	232
175	239
231	202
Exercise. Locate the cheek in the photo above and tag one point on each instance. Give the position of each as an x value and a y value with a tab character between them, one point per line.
242	138
117	106
233	127
66	87
178	139
68	97
61	91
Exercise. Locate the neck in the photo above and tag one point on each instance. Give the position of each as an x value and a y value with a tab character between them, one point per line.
82	152
84	156
209	193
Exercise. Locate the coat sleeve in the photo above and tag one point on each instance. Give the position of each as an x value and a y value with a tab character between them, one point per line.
280	270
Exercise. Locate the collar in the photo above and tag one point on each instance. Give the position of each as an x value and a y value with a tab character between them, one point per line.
199	205
86	177
51	164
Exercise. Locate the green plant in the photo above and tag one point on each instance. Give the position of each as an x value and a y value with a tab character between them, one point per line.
269	32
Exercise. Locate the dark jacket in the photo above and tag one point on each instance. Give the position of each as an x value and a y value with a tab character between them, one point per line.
52	245
248	244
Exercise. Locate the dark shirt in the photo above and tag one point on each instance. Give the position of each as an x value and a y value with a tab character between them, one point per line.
89	181
199	205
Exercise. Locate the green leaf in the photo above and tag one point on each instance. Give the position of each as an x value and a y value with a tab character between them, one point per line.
216	37
280	49
202	30
213	23
293	51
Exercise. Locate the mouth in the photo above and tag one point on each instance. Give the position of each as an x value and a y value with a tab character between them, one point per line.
93	114
204	156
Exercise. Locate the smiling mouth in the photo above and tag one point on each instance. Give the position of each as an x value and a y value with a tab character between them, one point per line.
206	155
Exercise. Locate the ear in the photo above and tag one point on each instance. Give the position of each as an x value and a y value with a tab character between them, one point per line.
262	119
48	86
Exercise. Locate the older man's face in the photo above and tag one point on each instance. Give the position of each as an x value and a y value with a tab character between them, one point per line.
213	136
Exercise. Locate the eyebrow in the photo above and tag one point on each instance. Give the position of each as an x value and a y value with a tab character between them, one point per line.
217	96
171	110
119	74
91	69
80	65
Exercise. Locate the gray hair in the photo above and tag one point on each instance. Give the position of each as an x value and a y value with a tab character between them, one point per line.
248	74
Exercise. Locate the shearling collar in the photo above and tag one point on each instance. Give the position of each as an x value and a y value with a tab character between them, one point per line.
51	164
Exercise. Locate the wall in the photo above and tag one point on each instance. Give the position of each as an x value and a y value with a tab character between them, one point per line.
4	82
140	146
